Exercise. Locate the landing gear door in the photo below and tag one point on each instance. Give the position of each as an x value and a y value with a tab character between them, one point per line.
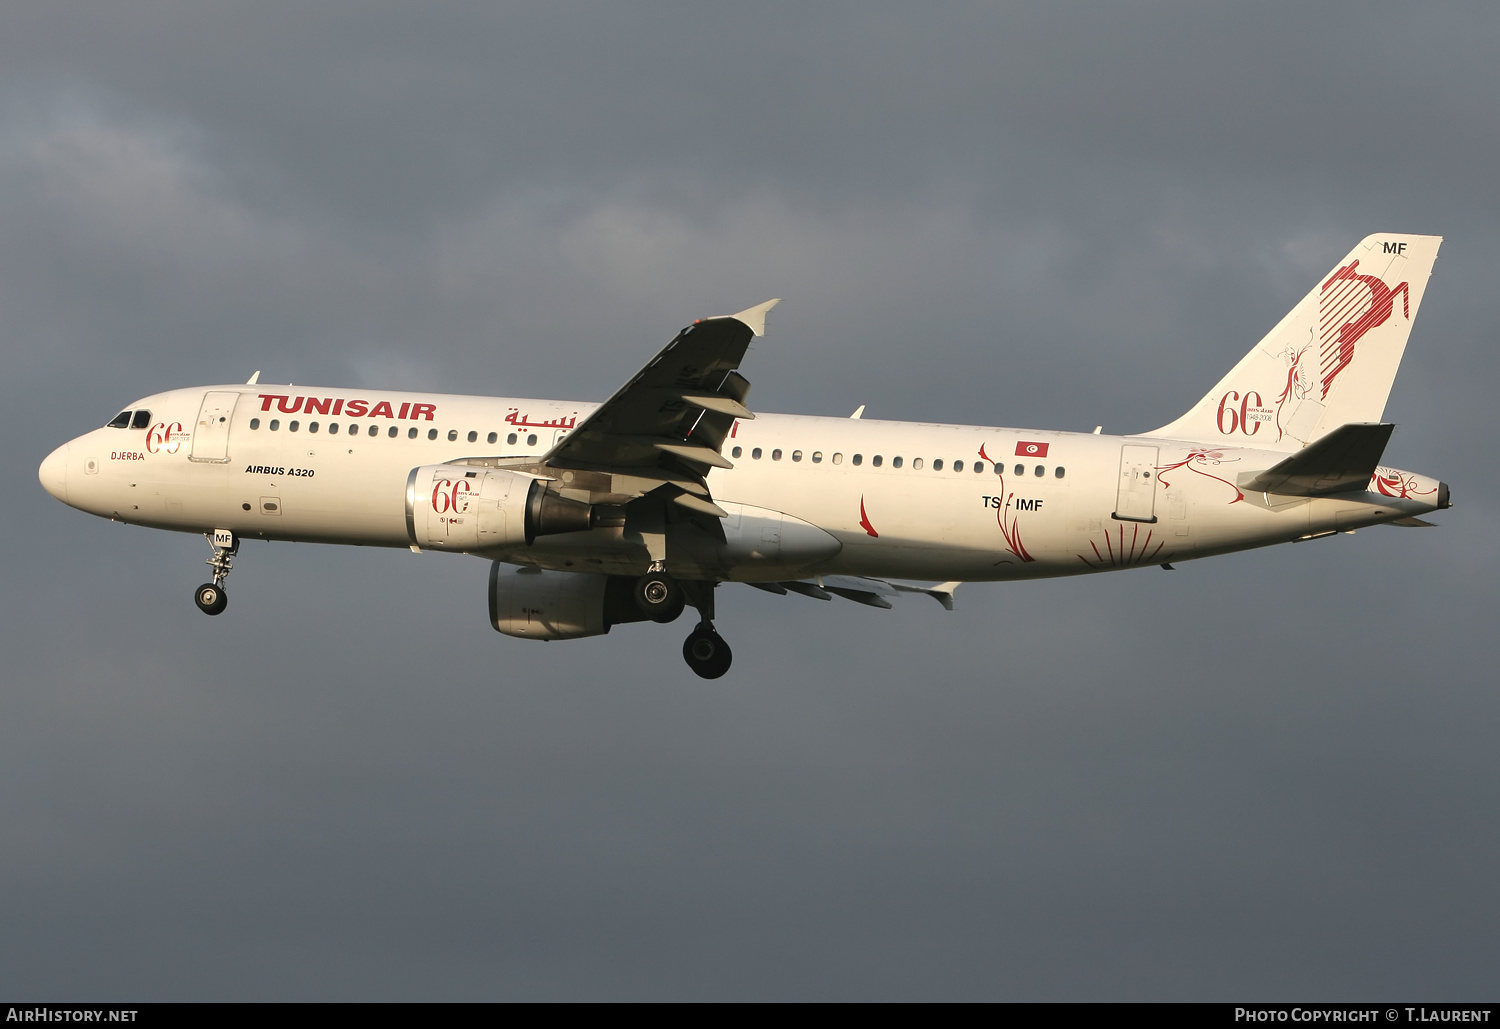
1136	500
211	434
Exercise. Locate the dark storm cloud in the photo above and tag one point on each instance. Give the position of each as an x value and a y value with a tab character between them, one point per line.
1265	775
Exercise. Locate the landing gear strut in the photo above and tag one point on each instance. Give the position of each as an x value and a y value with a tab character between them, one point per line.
210	597
658	595
705	650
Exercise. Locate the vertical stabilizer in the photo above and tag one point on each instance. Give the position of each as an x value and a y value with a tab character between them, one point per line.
1330	361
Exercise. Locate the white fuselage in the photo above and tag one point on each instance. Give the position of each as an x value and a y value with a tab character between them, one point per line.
902	499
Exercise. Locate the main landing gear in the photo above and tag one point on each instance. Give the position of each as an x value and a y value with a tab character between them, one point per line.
661	598
210	597
658	595
704	650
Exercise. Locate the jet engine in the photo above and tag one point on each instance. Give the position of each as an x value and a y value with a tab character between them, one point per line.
455	507
535	604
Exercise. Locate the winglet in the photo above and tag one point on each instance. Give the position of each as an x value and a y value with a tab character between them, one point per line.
253	379
942	593
755	317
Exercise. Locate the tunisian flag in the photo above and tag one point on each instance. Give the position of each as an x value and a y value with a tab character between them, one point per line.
1026	448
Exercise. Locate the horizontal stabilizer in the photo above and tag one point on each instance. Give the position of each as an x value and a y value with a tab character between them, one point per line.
1339	462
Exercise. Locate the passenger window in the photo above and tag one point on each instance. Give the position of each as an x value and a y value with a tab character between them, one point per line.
120	421
895	462
510	440
796	455
838	458
877	460
755	453
452	435
958	466
291	426
473	436
531	439
391	432
858	459
312	426
979	466
1020	469
776	455
142	419
937	464
1061	471
353	429
411	433
255	423
492	437
432	434
817	457
333	428
916	463
374	430
275	424
737	451
1040	471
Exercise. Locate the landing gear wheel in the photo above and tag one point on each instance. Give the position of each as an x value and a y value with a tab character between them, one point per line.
211	598
658	596
706	653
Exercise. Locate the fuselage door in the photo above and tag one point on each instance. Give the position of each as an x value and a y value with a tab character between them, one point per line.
211	434
1136	500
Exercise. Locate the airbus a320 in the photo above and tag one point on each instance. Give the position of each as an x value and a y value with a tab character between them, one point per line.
598	514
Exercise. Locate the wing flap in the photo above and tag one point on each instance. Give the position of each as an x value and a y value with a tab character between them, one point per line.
860	589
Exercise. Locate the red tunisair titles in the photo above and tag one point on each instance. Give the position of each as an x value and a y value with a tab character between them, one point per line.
348	408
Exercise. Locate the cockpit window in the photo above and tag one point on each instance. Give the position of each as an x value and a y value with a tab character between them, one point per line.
121	421
141	420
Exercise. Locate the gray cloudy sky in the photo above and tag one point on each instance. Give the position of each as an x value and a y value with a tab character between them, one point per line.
1265	776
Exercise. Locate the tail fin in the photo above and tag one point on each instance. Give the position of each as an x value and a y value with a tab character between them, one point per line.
1330	361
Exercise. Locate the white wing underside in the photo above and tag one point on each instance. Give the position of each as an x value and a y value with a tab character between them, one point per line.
858	588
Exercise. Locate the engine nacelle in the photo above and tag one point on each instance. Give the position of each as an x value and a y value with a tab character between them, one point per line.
456	507
535	604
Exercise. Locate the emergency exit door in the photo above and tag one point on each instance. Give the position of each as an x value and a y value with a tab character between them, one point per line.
1136	499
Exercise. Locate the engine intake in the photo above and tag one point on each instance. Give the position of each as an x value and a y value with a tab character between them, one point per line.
454	507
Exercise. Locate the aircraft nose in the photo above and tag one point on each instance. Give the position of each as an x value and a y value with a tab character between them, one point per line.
54	473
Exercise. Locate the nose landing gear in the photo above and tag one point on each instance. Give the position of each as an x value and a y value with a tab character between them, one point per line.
210	597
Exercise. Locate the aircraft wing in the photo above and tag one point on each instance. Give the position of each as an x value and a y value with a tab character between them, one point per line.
859	588
669	422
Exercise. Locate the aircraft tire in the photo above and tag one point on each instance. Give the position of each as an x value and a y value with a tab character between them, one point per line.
706	653
659	597
211	599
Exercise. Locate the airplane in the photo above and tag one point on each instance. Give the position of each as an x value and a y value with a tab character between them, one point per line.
599	514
